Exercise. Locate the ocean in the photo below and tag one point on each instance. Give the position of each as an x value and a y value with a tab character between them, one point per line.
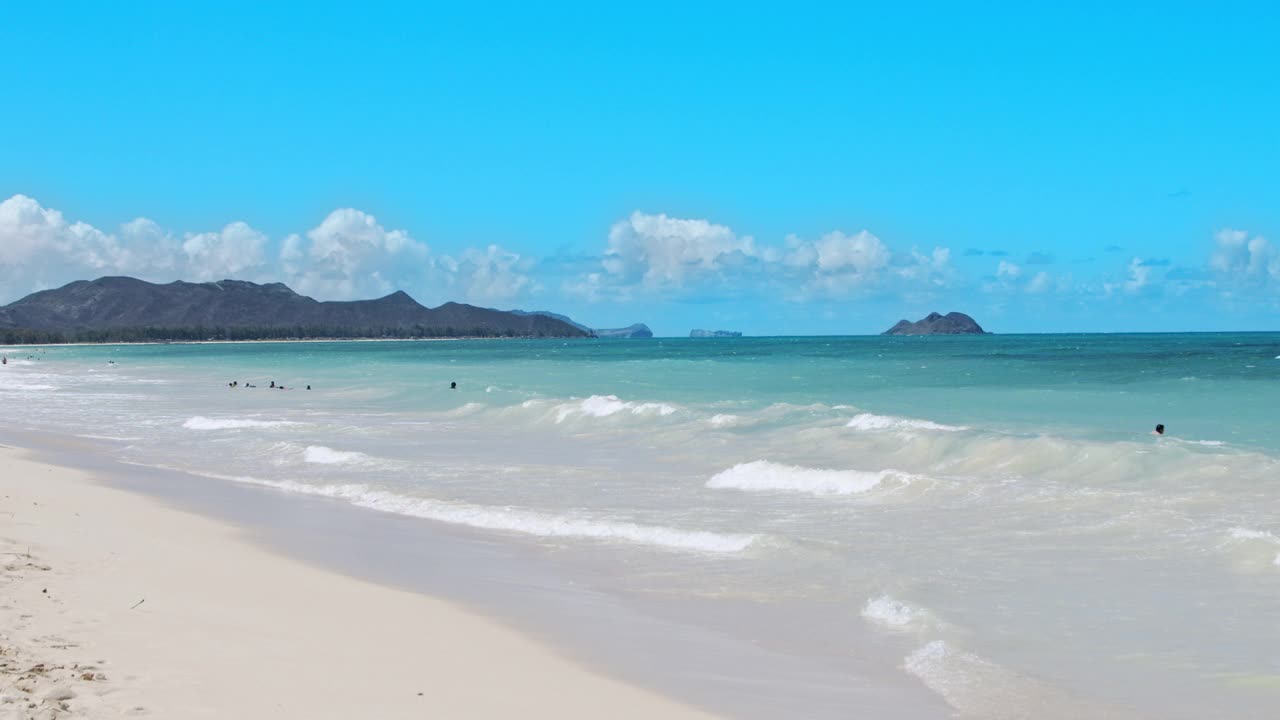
981	526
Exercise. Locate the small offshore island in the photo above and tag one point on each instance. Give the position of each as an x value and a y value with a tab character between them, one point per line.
953	323
714	334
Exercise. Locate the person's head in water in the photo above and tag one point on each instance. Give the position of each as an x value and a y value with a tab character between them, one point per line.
453	386
1159	429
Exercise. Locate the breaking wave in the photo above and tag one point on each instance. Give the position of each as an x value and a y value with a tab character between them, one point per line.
508	519
765	476
322	455
598	406
893	614
203	423
871	421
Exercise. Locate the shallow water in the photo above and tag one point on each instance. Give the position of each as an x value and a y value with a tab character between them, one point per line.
987	518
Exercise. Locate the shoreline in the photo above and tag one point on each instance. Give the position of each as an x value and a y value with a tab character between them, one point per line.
101	619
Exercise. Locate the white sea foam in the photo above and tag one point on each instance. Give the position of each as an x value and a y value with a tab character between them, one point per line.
322	455
1252	545
888	612
28	387
979	688
508	519
605	405
765	476
203	423
1242	533
871	421
723	420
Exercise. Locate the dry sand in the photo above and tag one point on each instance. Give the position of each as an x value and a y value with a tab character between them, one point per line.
114	605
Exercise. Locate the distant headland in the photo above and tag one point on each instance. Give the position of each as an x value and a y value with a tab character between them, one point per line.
124	309
954	323
714	334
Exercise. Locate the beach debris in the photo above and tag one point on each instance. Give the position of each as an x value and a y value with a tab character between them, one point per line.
138	603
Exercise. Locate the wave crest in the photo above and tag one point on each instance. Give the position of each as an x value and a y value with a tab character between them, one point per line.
322	455
765	476
871	421
200	422
508	519
599	406
888	612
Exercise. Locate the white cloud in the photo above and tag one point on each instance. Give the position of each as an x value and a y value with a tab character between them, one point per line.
1139	276
492	276
1007	270
658	254
350	256
658	251
1040	283
1241	258
40	249
237	251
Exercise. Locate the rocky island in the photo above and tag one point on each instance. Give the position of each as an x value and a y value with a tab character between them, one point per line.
714	334
935	324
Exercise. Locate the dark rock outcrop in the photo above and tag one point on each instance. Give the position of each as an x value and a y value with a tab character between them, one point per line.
714	334
108	306
934	324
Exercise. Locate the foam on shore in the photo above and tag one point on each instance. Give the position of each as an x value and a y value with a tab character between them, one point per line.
516	520
200	422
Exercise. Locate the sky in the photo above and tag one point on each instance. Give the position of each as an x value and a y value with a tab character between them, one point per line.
792	168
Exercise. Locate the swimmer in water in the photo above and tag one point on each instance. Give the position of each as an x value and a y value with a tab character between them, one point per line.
1158	431
453	386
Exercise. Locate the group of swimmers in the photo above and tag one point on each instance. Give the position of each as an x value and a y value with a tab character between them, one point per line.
236	383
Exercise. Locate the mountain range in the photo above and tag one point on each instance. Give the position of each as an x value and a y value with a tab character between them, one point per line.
123	308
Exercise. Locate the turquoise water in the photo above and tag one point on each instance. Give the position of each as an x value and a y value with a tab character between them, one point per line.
987	517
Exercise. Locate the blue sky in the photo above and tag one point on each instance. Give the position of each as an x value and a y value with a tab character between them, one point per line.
799	168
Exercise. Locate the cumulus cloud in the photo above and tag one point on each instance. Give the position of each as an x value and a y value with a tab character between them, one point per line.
657	251
658	254
39	249
1140	278
1039	258
237	251
1040	283
836	264
349	255
1244	259
492	276
1008	270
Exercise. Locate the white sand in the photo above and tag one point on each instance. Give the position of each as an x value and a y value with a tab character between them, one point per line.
226	629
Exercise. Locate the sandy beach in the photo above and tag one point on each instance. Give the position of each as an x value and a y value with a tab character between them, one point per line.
115	605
